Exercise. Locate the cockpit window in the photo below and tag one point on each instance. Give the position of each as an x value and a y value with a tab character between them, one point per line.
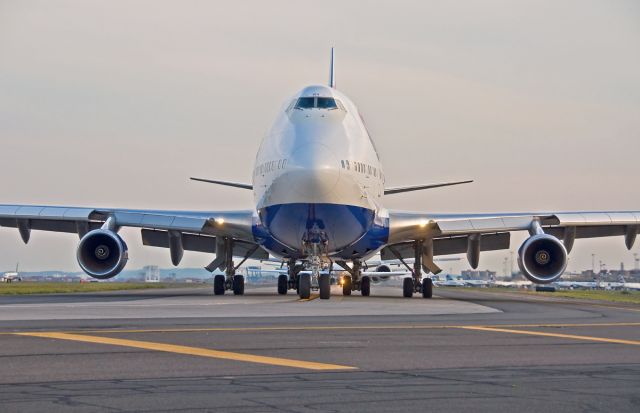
327	103
305	103
317	103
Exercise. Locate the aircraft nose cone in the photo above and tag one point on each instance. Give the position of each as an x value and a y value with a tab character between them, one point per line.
313	170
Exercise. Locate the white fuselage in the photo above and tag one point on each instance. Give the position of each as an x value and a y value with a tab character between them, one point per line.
318	161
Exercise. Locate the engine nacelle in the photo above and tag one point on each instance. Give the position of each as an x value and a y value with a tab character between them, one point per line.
102	254
542	258
383	268
377	278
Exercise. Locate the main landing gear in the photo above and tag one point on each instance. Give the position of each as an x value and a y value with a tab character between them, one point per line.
303	281
223	283
291	280
355	281
415	283
224	261
324	284
409	286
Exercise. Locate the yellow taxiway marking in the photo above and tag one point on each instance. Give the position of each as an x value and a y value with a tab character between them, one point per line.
544	334
311	298
329	328
192	351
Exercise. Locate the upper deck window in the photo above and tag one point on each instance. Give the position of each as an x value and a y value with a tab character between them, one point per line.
316	103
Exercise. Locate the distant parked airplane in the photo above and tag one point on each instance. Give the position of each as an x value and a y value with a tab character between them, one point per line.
9	277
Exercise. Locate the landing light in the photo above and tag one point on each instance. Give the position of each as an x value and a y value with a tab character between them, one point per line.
219	221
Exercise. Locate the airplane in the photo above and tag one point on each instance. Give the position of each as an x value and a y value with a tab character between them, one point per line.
457	281
9	277
577	284
513	284
449	281
477	283
630	286
319	188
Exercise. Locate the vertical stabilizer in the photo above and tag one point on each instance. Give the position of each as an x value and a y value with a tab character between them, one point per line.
332	73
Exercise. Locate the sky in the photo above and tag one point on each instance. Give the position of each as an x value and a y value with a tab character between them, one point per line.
117	103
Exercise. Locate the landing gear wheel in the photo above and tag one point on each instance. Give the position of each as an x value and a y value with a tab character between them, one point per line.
365	286
218	284
283	284
325	286
407	287
238	284
346	285
427	288
304	286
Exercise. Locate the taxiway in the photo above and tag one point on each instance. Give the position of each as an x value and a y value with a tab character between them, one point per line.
168	350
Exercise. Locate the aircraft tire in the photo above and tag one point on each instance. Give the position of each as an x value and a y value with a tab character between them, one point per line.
218	284
238	285
325	286
283	284
427	288
365	286
346	285
407	287
304	286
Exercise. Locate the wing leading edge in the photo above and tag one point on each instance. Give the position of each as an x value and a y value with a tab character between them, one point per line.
443	234
226	233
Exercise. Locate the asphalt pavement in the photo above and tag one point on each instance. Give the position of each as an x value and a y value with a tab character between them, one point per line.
187	350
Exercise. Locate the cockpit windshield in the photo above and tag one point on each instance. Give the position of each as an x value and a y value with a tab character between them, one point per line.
316	102
305	103
326	103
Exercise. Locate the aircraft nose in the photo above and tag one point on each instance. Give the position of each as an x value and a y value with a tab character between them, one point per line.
313	170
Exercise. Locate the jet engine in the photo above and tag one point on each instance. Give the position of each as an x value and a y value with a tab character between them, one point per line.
383	268
377	278
102	254
542	258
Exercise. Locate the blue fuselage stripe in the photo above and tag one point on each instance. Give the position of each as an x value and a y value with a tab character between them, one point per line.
346	230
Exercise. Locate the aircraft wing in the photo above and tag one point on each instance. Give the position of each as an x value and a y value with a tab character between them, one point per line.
445	234
202	231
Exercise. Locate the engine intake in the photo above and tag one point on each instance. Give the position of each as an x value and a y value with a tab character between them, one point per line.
102	254
383	268
542	258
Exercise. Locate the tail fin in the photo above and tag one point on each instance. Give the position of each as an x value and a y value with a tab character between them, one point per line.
332	73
